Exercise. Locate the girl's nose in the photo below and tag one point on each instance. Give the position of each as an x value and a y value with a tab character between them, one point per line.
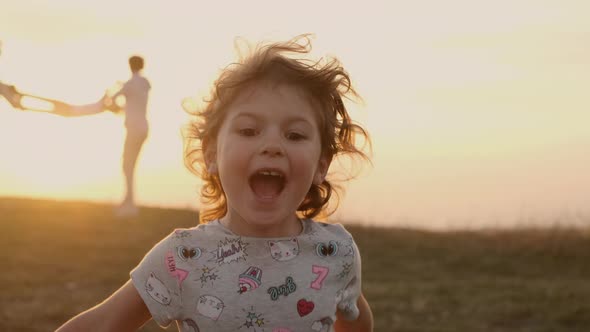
272	148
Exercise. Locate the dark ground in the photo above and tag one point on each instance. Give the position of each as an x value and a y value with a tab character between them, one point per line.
60	258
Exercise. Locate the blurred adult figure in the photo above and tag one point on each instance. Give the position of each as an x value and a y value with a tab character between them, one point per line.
136	92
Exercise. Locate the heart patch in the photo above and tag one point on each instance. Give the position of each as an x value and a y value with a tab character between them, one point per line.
304	307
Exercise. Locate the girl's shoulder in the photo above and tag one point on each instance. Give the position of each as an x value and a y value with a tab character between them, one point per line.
323	229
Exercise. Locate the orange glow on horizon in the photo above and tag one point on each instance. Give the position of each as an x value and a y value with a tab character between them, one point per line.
475	114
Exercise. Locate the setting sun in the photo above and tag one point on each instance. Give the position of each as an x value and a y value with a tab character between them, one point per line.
478	112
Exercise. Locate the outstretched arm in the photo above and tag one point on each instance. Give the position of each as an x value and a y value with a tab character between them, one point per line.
363	323
57	107
87	109
122	311
15	98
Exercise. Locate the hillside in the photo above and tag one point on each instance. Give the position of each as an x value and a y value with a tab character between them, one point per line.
60	258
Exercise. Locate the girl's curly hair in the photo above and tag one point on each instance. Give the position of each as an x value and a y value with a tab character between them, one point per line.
325	83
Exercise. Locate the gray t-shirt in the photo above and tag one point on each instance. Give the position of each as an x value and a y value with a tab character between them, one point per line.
208	279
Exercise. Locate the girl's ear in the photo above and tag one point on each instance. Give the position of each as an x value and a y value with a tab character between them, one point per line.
212	168
211	160
322	170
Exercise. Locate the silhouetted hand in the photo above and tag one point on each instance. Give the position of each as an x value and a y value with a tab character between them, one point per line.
109	104
12	95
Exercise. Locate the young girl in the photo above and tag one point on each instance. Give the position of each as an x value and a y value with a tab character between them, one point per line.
257	262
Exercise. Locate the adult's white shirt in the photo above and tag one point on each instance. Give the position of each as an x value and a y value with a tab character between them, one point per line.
136	91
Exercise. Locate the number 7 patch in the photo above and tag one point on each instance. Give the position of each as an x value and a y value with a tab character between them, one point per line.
322	273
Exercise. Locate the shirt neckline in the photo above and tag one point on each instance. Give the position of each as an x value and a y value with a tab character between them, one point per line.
305	227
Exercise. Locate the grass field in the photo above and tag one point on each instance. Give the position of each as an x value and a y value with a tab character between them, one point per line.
59	258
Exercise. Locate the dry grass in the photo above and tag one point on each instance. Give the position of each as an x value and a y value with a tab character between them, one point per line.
61	258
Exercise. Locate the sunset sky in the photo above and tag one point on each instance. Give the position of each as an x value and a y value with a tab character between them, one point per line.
479	111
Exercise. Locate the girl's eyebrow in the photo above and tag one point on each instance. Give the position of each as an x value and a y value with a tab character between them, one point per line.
291	119
244	114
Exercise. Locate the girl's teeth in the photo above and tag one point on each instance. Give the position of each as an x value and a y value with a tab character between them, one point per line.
271	173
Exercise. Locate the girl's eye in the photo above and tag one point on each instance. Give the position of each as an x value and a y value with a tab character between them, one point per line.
247	132
293	136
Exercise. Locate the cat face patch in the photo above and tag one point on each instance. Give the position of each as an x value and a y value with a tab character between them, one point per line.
284	250
157	290
210	306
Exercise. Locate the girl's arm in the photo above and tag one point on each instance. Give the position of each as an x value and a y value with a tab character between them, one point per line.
363	323
122	311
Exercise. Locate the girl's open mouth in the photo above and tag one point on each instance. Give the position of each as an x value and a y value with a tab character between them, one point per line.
267	183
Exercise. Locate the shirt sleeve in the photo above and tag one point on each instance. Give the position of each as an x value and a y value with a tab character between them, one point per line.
158	282
347	297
